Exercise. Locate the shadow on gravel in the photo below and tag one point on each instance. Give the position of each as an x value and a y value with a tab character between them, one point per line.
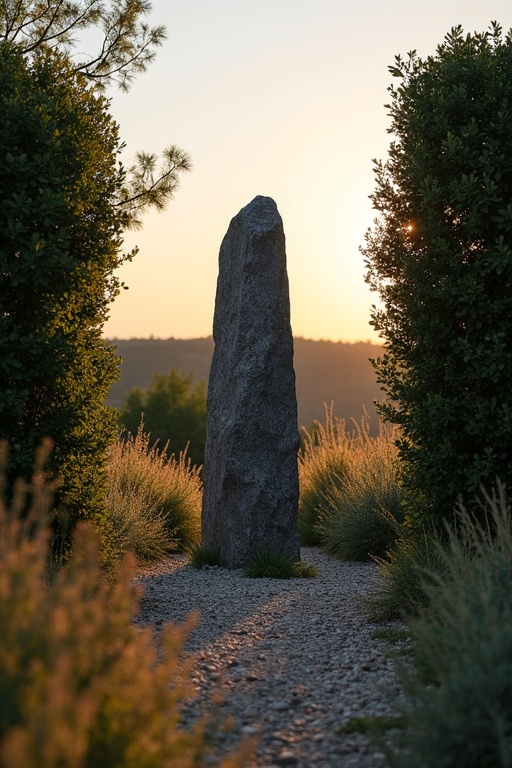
226	602
231	606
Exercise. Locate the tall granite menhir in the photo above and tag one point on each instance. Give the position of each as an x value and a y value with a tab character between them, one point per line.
250	474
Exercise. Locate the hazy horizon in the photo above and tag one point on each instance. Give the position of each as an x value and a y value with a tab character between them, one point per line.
210	336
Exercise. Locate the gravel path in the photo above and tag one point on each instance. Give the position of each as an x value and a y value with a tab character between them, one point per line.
293	659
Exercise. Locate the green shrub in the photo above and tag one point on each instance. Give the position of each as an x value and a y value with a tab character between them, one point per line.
322	466
60	246
463	716
440	256
80	684
363	512
154	502
271	564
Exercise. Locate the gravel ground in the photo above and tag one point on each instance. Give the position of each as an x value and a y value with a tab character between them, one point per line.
292	659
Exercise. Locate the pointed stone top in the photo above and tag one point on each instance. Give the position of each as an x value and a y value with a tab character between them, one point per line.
261	201
261	213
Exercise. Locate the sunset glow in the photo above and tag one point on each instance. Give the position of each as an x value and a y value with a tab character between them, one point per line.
276	98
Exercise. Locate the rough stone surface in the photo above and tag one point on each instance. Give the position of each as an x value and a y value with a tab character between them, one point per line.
250	476
291	661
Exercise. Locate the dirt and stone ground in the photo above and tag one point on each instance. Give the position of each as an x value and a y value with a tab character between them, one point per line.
292	660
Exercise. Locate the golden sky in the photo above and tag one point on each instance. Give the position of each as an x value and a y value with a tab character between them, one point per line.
283	98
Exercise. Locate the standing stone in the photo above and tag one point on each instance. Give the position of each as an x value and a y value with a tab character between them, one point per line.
250	474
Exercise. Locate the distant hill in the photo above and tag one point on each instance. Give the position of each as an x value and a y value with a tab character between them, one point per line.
326	372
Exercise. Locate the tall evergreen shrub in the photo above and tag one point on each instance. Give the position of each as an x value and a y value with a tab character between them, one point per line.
440	256
61	235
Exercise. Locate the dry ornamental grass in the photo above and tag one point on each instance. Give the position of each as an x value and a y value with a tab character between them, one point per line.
351	502
154	501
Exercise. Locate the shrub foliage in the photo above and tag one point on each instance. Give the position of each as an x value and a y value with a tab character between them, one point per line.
440	255
61	236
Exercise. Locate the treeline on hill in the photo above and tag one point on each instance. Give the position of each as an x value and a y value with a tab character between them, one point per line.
326	372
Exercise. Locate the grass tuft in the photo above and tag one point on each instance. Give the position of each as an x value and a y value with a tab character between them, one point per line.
391	635
200	556
272	564
401	590
373	724
323	463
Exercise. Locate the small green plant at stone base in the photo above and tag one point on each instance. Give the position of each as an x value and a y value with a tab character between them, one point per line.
322	465
464	646
200	556
391	635
80	684
272	564
373	724
154	501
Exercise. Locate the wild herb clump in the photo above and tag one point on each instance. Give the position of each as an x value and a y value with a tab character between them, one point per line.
80	684
401	589
322	466
459	693
363	514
